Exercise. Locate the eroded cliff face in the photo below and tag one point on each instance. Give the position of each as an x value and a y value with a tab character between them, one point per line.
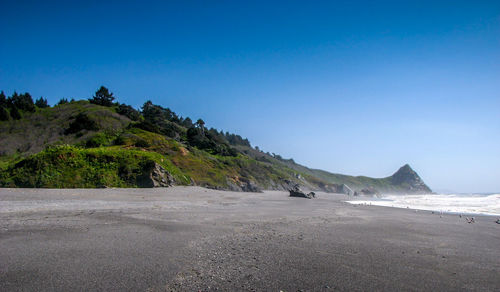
407	178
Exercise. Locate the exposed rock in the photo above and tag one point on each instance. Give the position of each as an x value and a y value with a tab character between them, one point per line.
296	192
242	184
367	192
154	175
286	184
327	188
409	179
250	186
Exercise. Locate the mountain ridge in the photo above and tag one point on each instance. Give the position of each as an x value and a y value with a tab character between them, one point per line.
84	144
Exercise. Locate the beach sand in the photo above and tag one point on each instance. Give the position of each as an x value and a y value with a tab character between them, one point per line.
190	239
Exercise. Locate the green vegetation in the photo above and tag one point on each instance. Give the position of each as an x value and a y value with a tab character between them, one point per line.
41	103
4	114
72	167
102	97
98	143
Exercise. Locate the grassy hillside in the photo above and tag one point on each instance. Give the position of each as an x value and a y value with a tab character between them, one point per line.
46	126
85	145
38	151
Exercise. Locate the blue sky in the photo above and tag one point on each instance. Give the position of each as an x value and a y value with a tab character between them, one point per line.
356	87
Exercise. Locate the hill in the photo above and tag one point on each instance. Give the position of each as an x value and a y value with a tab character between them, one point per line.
98	143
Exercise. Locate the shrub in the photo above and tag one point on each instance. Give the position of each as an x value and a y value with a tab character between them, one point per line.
98	140
142	143
147	126
81	122
119	141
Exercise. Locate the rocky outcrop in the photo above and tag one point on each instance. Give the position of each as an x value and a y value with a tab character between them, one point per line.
242	184
409	180
366	192
154	175
296	192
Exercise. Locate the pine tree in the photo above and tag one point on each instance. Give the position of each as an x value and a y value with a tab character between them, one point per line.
4	114
103	97
62	101
3	99
41	102
14	113
201	124
23	101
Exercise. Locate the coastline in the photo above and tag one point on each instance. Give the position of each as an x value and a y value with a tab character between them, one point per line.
457	204
191	238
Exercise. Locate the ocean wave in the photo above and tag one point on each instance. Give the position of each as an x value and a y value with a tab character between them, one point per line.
448	203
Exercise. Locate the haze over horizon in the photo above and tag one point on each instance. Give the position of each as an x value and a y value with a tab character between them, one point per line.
350	87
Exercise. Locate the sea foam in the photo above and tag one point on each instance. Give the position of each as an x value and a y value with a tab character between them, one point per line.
449	203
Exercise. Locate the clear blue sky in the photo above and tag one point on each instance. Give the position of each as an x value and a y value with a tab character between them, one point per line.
356	87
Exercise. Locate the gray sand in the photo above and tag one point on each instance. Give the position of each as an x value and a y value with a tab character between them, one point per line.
190	239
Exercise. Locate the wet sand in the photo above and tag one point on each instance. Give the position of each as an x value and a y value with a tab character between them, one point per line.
190	239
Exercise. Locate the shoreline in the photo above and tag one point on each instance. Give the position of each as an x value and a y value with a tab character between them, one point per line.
447	203
190	239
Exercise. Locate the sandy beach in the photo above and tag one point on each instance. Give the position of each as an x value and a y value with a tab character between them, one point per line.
191	239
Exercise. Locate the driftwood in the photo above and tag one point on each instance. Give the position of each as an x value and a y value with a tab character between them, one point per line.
296	192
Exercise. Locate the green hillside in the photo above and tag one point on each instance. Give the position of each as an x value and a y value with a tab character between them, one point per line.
99	143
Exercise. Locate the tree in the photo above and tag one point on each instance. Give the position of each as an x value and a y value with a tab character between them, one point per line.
3	99
14	113
41	102
4	114
62	101
128	111
103	97
201	124
187	123
166	120
23	101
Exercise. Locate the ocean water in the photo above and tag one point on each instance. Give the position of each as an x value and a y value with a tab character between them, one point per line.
485	204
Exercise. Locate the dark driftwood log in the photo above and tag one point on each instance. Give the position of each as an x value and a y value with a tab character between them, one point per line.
299	194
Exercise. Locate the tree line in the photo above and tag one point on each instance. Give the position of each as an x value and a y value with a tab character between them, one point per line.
150	117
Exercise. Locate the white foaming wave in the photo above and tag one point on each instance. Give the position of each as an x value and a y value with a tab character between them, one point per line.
452	203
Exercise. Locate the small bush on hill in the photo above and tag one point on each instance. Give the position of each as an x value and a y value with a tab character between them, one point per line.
81	122
119	141
142	143
99	139
146	126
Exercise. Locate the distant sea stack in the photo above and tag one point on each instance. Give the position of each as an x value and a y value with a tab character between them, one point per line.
407	178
